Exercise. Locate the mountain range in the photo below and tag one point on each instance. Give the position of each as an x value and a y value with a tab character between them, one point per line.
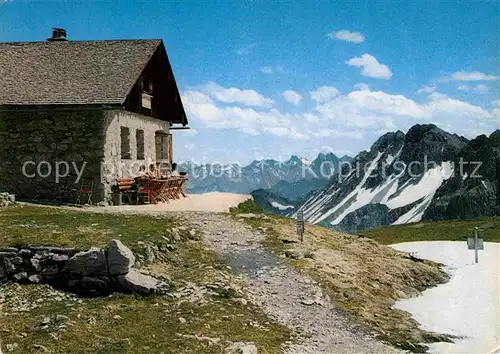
425	174
292	179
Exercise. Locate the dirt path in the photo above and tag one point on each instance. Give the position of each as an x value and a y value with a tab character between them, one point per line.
291	298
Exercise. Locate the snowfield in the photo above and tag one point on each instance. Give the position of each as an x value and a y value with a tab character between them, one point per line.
468	306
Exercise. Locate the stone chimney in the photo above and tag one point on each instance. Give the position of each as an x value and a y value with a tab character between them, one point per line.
58	35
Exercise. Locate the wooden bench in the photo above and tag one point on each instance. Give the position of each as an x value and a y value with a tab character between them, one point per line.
125	187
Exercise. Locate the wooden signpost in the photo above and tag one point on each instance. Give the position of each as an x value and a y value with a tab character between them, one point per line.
475	243
300	225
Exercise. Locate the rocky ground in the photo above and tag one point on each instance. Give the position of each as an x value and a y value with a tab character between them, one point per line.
205	310
292	298
253	293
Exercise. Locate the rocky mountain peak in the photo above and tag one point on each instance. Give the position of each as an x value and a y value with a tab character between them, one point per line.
429	141
325	157
294	158
388	141
495	135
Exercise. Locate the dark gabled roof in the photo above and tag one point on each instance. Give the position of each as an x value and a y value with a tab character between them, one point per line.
72	72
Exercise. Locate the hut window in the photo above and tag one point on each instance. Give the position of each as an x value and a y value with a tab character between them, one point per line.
125	143
163	146
139	137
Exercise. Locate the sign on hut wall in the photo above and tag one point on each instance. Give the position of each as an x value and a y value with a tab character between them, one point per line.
146	100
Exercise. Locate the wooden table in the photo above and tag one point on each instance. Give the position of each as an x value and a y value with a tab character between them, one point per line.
163	190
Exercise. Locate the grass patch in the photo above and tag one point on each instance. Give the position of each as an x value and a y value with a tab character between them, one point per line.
248	206
24	225
450	230
203	313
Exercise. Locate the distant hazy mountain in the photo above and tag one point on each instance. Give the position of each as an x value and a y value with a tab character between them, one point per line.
390	184
294	178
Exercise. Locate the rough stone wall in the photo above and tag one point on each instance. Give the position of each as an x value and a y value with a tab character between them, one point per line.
36	140
27	138
96	271
113	165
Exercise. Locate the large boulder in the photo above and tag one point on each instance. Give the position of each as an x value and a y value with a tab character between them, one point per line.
120	258
88	263
139	283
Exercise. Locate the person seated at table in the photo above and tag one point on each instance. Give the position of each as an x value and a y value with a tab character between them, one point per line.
152	172
142	172
139	180
174	172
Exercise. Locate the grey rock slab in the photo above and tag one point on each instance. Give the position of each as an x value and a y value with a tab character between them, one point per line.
138	282
35	278
87	263
35	263
120	258
20	276
60	257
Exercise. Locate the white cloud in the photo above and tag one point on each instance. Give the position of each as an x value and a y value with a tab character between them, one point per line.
471	76
426	89
189	146
211	114
353	134
245	50
190	132
381	102
371	67
235	95
286	132
480	88
439	103
377	111
362	87
292	97
357	115
496	103
272	70
267	70
347	36
324	93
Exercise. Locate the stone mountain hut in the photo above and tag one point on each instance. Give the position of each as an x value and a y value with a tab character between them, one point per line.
94	109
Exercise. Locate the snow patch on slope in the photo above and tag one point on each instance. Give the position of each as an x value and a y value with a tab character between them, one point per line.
426	187
281	206
305	161
373	166
414	214
467	306
367	196
315	209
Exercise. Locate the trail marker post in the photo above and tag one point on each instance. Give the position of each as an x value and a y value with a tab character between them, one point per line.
475	243
300	225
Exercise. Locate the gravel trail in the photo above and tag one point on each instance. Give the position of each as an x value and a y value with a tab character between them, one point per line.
291	298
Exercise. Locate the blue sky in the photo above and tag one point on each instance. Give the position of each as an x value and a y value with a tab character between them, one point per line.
270	79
